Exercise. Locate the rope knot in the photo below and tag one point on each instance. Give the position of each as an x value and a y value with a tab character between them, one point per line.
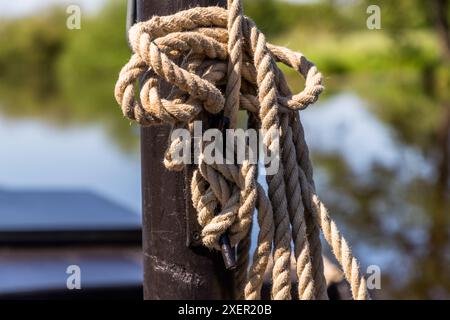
216	62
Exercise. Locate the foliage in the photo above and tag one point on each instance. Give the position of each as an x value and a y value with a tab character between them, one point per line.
88	68
30	47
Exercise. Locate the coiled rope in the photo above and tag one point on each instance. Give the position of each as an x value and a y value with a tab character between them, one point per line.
197	51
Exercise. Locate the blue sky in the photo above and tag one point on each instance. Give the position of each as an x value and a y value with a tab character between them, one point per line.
25	7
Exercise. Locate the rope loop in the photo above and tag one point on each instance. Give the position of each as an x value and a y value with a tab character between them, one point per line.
202	34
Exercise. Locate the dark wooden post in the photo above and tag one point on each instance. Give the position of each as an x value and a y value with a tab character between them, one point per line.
175	266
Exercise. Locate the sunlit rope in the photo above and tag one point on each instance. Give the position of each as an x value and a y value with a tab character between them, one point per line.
197	51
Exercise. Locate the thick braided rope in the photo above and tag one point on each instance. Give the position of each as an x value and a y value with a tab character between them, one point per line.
313	228
339	245
268	113
232	94
302	252
241	272
223	48
233	89
295	147
263	250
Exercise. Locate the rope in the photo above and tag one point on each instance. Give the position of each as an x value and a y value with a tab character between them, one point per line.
198	51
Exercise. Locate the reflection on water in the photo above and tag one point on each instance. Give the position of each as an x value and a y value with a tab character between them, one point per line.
381	191
345	127
384	195
39	155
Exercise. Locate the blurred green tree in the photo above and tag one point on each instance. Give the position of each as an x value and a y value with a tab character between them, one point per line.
30	48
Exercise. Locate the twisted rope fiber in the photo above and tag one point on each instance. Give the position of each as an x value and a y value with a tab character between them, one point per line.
198	51
232	93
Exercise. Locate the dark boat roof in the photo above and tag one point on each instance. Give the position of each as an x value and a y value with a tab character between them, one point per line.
62	210
32	215
42	232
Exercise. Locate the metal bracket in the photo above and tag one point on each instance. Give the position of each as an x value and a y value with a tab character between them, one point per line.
193	229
